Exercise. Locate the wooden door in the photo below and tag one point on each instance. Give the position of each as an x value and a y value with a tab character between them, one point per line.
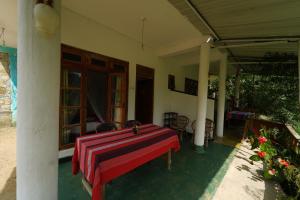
117	98
144	94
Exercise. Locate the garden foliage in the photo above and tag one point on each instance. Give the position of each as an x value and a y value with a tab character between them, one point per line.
280	163
271	89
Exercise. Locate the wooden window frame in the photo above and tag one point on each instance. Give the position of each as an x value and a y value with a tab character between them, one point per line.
83	67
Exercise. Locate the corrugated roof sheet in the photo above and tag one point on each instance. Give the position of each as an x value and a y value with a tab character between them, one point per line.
247	19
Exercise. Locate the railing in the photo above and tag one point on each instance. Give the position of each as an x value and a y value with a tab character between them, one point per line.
292	137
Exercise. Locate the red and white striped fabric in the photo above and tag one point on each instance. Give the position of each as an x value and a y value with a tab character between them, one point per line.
104	156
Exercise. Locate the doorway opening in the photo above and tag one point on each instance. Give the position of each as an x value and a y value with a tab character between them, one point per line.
144	95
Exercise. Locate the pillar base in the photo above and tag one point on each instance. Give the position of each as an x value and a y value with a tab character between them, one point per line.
198	149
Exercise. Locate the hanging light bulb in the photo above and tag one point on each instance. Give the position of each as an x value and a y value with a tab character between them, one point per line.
143	30
46	19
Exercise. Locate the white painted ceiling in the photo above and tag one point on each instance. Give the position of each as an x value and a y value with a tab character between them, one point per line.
164	25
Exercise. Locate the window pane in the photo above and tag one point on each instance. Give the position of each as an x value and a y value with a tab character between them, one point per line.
98	62
117	114
71	79
119	68
69	135
71	116
71	57
116	98
71	97
116	82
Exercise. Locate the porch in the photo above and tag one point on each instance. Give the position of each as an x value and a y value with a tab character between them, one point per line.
188	41
226	171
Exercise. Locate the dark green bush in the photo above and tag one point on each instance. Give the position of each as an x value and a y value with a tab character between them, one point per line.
271	89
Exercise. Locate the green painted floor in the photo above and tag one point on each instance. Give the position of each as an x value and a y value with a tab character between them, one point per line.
193	176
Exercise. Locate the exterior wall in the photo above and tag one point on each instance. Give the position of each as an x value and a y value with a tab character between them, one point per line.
8	86
185	104
182	72
84	33
87	34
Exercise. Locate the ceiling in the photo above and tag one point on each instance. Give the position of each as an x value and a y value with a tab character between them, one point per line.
172	22
232	19
164	25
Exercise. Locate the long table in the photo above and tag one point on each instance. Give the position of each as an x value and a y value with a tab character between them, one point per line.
105	156
240	115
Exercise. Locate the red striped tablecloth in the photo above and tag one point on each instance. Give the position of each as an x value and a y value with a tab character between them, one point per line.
104	156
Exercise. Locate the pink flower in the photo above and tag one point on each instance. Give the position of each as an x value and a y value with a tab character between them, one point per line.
272	172
262	139
283	162
261	154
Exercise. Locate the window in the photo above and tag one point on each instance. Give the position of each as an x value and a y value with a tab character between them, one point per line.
191	86
91	93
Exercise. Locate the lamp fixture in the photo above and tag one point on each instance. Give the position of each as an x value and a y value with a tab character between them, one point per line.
210	39
46	19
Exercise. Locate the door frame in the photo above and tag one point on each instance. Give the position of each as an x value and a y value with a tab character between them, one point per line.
147	73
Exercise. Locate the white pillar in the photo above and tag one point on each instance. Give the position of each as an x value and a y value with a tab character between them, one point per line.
221	99
202	96
38	108
299	66
237	88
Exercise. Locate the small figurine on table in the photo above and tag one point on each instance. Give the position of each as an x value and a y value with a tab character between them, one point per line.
135	129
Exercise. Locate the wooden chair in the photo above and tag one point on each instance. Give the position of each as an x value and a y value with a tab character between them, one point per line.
132	123
107	126
180	125
209	126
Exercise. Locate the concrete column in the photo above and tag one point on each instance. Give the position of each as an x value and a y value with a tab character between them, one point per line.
237	88
38	107
202	96
299	66
221	99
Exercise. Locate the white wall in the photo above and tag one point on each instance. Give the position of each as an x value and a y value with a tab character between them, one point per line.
185	104
83	33
86	34
182	72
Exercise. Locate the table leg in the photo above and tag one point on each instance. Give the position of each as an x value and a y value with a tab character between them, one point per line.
169	159
87	186
103	191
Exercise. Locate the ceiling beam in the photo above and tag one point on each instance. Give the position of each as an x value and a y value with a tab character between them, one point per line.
261	62
202	19
252	44
259	39
205	23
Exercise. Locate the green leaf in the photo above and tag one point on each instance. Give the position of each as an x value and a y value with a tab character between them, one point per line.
255	144
267	175
255	158
250	134
267	157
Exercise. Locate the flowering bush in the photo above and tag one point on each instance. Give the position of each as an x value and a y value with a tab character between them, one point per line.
279	162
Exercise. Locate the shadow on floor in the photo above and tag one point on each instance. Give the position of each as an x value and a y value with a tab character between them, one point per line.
232	136
189	178
9	190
